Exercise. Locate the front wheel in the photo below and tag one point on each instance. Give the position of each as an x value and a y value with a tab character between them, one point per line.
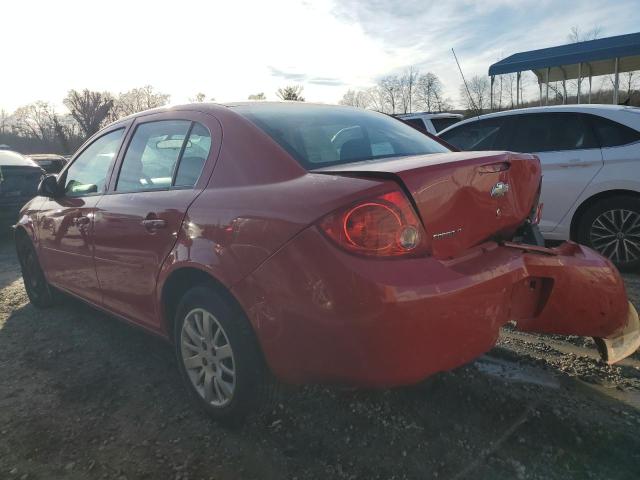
612	228
39	291
218	356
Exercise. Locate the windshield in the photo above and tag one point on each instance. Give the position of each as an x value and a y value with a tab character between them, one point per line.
318	136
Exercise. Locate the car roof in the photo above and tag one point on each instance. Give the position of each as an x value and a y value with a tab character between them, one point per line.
209	107
605	110
9	158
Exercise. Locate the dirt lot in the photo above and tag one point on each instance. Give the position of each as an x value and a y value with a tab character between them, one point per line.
84	396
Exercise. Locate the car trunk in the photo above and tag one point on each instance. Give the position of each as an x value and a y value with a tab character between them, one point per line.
18	184
463	198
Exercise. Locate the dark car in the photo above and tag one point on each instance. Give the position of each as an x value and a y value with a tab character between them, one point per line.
19	178
320	243
49	162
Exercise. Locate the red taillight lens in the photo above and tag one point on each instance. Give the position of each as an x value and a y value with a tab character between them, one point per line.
385	226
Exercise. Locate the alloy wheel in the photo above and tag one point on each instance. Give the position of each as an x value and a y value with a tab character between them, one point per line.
616	235
208	358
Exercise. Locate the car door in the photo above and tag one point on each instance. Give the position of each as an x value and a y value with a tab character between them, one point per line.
65	224
569	154
138	220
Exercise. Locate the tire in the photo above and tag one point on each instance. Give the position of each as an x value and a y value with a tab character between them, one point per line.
225	373
612	227
40	293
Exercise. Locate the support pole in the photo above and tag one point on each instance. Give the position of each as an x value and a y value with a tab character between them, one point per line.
518	89
589	85
493	77
616	82
547	94
540	88
579	81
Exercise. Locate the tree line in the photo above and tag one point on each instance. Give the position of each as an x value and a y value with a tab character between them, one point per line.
408	92
38	127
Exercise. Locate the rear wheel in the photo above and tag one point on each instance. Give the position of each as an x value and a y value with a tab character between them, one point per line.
39	291
612	227
218	356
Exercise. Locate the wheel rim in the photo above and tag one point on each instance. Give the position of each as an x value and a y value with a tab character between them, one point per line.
208	358
616	235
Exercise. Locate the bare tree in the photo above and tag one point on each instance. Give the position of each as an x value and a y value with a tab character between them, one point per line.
577	36
34	120
4	121
476	100
198	98
429	92
391	89
137	100
89	109
407	83
356	98
291	92
258	96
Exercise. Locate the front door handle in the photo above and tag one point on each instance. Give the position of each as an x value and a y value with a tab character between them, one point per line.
154	223
80	221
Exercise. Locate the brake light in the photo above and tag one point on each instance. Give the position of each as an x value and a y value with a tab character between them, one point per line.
385	226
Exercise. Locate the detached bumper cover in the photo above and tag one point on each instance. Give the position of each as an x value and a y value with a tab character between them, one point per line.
622	343
323	315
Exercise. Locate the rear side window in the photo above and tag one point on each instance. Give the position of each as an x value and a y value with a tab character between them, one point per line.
547	132
441	123
163	154
480	135
195	155
613	134
320	136
416	123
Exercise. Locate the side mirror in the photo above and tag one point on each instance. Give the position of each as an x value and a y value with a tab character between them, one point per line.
49	187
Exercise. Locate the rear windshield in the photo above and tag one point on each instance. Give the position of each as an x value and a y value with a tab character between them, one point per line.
319	136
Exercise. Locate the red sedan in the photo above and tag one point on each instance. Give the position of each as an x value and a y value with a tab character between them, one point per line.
316	243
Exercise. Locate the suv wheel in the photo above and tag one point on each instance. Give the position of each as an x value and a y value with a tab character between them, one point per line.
218	356
612	227
39	291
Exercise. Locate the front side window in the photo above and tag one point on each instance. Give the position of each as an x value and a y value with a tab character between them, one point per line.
321	136
163	154
88	173
547	132
480	135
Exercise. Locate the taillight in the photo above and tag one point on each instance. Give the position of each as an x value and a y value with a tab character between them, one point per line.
385	226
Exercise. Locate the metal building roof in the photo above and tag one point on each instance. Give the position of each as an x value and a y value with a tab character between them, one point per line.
597	58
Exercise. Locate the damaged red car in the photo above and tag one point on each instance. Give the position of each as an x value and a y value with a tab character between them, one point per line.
309	243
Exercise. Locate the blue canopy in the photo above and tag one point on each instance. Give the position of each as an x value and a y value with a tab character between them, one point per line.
597	57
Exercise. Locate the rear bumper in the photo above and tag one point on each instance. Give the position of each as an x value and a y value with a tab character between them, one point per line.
322	315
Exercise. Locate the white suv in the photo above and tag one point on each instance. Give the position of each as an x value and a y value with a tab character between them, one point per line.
431	122
590	157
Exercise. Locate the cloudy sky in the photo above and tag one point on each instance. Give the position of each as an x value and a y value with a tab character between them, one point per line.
230	49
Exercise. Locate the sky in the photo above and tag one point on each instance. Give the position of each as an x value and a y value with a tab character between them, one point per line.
231	49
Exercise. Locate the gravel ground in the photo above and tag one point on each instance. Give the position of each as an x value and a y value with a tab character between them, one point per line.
84	396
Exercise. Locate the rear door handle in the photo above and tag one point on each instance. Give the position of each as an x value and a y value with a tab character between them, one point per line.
154	223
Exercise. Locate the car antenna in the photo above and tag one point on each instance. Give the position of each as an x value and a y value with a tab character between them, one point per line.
473	104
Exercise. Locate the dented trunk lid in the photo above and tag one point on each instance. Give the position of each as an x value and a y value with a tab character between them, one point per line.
463	198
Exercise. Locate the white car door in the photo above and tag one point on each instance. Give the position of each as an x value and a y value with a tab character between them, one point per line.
570	156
